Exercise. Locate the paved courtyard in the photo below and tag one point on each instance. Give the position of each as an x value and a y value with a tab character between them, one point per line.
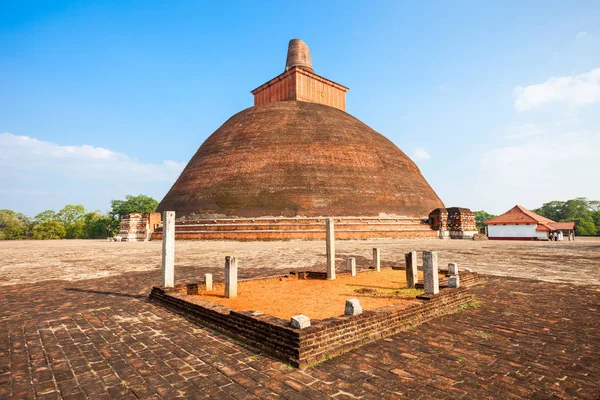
100	338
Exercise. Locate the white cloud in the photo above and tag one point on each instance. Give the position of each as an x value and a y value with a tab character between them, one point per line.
581	35
420	154
574	90
524	131
553	167
31	169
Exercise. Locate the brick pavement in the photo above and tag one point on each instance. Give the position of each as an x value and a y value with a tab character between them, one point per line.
101	339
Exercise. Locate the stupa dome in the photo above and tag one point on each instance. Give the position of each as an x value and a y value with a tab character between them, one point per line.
299	158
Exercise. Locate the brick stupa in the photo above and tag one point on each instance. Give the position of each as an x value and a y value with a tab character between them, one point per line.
296	152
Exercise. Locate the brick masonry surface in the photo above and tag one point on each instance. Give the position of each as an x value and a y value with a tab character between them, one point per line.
102	339
324	339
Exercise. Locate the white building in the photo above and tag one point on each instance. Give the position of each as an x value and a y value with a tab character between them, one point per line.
519	223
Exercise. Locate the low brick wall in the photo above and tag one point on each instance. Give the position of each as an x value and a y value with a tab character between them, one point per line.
325	338
253	229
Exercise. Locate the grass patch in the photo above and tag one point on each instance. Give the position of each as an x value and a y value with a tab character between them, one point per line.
471	304
285	368
407	293
483	335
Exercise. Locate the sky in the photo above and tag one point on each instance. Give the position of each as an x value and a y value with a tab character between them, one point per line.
497	102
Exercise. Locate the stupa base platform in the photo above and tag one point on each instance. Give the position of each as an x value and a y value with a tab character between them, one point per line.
256	229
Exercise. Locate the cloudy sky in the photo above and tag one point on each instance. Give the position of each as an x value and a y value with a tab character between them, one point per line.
497	102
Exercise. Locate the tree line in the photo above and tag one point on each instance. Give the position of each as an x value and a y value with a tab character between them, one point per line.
72	221
585	213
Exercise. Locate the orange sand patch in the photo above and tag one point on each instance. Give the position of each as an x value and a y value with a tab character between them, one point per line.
317	299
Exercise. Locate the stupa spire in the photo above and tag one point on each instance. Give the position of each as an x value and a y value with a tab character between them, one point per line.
298	56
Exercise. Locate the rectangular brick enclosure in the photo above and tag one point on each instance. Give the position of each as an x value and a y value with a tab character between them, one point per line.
325	338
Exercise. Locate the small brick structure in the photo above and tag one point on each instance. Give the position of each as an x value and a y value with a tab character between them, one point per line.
324	338
453	222
138	227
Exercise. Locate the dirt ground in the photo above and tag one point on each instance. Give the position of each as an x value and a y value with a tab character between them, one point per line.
33	261
317	299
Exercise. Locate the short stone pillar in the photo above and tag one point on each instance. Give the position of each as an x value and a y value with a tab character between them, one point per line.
330	243
208	280
454	281
431	282
168	249
353	307
452	269
377	259
351	263
412	275
231	275
300	321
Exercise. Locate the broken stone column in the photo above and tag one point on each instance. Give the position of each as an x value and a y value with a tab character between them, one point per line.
168	249
454	281
351	263
300	321
353	307
330	243
452	269
412	276
430	272
208	281
377	259
231	275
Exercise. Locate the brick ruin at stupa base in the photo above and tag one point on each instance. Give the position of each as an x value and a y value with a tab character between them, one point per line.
276	170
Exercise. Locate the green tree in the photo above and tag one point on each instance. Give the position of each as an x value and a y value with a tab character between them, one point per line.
553	210
98	225
14	225
132	204
72	218
585	213
49	230
48	215
481	217
576	208
585	228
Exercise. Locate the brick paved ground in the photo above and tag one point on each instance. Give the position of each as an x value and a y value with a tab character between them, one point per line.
101	339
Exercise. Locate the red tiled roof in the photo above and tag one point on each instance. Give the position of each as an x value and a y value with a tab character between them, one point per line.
544	228
562	225
518	215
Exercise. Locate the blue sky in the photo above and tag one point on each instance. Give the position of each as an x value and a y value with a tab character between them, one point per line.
498	103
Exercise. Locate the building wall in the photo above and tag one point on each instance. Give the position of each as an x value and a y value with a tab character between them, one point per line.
302	85
453	222
137	227
515	231
314	90
282	88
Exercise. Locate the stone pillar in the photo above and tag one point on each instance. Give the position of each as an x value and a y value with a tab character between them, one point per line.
454	281
231	269
168	249
300	321
208	281
377	259
352	265
412	276
430	272
330	242
452	269
353	307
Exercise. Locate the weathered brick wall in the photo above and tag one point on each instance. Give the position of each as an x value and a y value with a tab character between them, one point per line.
324	338
137	227
455	222
300	84
298	228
